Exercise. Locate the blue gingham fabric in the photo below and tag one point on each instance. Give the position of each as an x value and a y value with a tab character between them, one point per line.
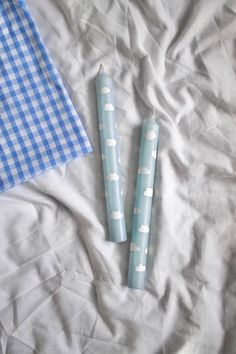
39	127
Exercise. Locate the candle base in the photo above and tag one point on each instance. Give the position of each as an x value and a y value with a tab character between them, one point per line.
136	281
117	240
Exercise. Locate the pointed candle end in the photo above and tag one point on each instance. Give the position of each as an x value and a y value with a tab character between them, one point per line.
101	69
154	116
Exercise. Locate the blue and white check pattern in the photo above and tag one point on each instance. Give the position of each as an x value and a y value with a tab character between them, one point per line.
39	127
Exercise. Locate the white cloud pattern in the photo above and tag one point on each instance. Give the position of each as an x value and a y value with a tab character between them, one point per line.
144	229
111	142
116	215
146	251
109	107
143	170
134	247
140	268
150	135
148	192
105	90
112	177
154	154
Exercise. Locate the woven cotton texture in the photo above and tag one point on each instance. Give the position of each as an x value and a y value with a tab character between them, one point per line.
39	126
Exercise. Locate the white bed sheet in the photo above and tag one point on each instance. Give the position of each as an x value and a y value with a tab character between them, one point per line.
62	284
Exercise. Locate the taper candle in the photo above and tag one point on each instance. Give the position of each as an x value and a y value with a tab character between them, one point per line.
109	141
143	204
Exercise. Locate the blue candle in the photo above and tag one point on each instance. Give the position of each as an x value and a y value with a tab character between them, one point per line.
109	140
143	204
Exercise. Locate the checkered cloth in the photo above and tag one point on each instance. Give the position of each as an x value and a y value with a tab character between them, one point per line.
39	127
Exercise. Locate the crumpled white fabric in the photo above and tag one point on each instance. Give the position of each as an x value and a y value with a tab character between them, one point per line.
62	284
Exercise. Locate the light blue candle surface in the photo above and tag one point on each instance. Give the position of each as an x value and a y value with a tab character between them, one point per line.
109	140
143	204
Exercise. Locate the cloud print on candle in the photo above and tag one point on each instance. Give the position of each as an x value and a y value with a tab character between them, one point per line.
116	215
144	170
144	229
104	89
109	107
140	268
150	135
134	247
148	192
154	154
112	177
111	142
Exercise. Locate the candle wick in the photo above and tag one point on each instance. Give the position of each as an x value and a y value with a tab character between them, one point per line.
101	69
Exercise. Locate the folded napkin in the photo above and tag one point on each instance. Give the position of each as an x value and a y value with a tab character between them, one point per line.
39	127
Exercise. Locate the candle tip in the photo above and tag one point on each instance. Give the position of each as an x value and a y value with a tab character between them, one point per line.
154	116
101	69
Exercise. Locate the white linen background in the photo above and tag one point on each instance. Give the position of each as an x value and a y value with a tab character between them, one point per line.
62	284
